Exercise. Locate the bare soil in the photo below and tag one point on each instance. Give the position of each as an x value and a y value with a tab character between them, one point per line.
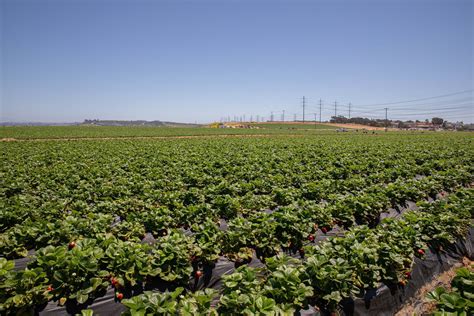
356	126
420	305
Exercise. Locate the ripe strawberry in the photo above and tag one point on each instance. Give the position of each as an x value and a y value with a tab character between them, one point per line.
402	282
71	245
114	282
311	238
198	274
301	251
50	288
324	230
119	296
421	252
408	274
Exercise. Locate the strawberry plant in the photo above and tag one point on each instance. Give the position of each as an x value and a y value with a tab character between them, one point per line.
171	303
73	274
171	257
20	291
129	262
208	238
285	284
458	301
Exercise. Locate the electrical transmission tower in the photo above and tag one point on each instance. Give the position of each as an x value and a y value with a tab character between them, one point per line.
304	107
320	106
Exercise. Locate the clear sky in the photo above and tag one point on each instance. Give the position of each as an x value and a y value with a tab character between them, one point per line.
70	60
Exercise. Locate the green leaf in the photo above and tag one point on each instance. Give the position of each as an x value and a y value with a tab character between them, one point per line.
82	298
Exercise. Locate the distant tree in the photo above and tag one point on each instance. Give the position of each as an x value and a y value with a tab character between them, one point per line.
437	121
402	125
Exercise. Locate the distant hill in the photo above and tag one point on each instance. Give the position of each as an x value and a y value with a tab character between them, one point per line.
105	123
37	124
138	123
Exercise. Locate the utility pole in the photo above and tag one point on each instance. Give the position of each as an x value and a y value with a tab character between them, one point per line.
350	110
386	120
335	109
320	106
314	120
283	116
271	117
304	106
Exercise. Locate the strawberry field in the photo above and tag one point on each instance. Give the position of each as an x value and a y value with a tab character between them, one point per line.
299	223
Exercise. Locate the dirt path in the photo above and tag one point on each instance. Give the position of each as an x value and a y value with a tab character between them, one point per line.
420	305
341	125
356	126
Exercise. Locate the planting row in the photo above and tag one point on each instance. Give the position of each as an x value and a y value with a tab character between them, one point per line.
287	227
55	193
335	269
45	180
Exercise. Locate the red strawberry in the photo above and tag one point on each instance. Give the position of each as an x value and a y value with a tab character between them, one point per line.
71	245
50	288
408	274
114	282
421	252
324	230
198	274
402	282
311	238
119	296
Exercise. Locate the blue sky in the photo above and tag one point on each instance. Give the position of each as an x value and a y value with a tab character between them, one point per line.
203	60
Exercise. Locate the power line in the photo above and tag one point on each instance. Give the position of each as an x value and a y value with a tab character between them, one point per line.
451	106
421	99
445	106
432	103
